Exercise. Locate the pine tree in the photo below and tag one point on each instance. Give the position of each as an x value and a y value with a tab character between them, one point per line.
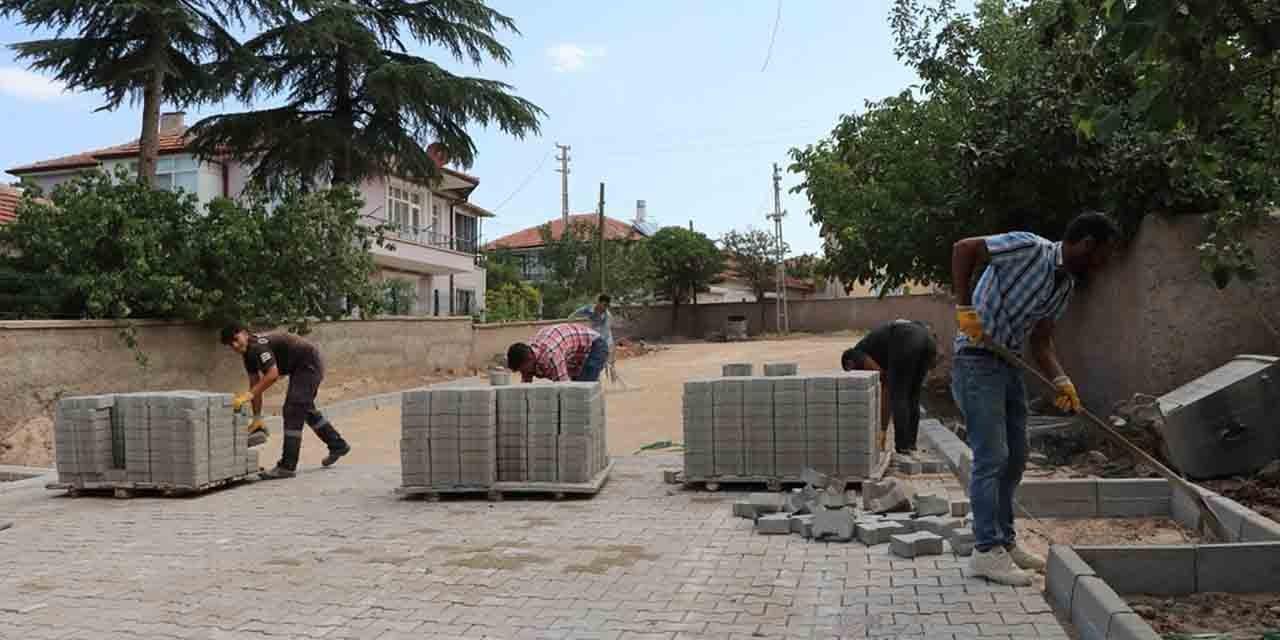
145	51
358	103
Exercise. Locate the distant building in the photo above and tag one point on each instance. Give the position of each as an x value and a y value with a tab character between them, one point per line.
526	245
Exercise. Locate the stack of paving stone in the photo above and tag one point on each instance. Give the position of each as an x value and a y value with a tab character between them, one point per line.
474	437
448	437
82	438
175	439
773	428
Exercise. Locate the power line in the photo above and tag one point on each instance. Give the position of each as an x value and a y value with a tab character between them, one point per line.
772	37
524	184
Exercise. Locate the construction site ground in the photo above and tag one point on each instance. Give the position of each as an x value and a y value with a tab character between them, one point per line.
1221	616
336	554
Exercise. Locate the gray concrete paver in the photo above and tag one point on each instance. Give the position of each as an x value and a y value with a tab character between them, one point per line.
335	555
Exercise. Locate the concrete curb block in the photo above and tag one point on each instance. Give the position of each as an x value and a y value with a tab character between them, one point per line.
1158	570
15	478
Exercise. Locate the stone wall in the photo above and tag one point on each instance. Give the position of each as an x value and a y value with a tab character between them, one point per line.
1154	321
491	340
43	360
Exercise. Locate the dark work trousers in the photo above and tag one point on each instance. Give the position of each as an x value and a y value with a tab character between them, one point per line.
300	407
912	352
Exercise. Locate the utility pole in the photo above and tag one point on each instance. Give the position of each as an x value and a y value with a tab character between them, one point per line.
600	235
784	319
564	182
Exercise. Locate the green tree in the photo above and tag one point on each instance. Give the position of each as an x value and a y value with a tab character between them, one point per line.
357	103
121	250
685	262
572	263
753	256
500	268
513	301
145	51
993	139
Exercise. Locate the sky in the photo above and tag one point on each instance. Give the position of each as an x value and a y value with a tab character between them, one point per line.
669	101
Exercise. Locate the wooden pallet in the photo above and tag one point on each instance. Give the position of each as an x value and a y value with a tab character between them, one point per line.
498	491
771	483
125	489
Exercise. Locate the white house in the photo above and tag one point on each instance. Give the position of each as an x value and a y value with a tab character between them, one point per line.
435	250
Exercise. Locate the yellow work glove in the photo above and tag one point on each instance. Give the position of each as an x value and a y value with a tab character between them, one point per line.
256	425
968	322
1068	398
241	400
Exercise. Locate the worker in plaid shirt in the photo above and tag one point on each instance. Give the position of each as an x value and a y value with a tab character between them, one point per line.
560	352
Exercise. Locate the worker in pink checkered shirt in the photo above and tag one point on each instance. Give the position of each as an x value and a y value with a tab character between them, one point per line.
560	353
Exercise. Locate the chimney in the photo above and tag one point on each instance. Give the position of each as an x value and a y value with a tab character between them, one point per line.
172	121
640	212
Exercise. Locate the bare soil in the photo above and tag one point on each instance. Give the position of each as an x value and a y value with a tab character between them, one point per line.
1260	495
1037	535
1230	616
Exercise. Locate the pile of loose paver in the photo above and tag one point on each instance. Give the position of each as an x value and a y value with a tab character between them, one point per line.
168	440
480	437
912	525
771	428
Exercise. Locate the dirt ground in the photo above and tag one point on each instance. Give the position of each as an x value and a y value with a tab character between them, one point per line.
644	411
1037	536
1229	616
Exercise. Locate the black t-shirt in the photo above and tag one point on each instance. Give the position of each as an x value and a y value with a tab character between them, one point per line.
876	344
281	350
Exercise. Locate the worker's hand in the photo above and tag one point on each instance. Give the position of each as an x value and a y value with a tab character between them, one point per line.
256	425
1068	398
239	401
968	322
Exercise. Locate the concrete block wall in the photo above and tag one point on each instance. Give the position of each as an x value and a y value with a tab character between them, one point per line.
180	439
457	436
776	427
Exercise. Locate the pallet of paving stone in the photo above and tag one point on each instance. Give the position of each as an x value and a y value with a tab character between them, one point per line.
126	489
499	490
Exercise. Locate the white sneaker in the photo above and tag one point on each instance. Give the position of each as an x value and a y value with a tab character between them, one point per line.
1025	559
996	566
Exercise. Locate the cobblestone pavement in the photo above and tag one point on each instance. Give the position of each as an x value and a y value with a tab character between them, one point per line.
335	554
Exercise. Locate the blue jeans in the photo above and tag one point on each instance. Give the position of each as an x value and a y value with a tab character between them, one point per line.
596	360
993	399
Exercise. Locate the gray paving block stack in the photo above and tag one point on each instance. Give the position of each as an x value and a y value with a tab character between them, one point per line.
182	451
582	446
82	437
134	413
477	436
699	442
735	369
789	435
513	435
757	426
858	422
415	439
773	369
821	420
442	431
542	427
729	439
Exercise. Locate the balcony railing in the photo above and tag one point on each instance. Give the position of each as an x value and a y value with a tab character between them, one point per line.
425	236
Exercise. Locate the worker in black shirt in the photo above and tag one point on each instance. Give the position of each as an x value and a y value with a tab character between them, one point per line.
268	357
902	351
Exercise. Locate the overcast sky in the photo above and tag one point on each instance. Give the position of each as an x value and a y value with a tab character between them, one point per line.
662	100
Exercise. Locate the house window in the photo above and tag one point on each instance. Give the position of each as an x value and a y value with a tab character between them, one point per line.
464	302
464	233
404	209
175	173
436	231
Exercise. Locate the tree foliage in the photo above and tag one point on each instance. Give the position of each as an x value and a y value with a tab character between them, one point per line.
357	103
512	301
121	250
685	263
143	51
753	255
999	135
572	263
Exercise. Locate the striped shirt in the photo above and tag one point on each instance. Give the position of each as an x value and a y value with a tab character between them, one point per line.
560	350
1023	284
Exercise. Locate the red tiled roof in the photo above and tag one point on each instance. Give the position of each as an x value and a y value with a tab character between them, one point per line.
731	273
173	141
532	237
9	198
